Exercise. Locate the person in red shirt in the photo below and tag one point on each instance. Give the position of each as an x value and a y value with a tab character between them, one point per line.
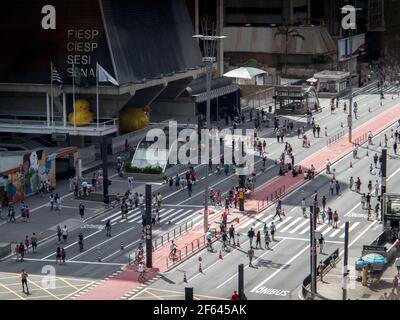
235	296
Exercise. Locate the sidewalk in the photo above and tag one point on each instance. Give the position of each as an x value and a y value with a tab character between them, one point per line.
333	152
331	287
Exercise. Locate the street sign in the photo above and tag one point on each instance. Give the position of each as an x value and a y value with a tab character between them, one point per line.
374	248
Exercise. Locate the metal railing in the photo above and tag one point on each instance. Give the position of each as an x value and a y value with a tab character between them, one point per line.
189	249
176	232
262	204
329	263
335	138
361	140
56	124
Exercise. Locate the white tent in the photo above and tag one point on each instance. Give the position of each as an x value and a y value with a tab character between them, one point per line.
244	73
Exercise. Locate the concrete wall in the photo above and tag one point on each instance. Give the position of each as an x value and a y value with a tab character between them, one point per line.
9	161
178	108
87	154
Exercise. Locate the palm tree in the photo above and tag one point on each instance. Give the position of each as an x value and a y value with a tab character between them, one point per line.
288	31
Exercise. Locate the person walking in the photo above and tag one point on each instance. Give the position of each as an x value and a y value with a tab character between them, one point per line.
331	187
51	199
17	254
397	264
258	239
337	187
65	233
22	251
24	281
11	213
58	255
323	202
250	255
189	187
277	213
303	205
59	233
27	212
63	255
321	242
235	296
267	240
250	234
335	219
231	234
82	211
272	228
108	228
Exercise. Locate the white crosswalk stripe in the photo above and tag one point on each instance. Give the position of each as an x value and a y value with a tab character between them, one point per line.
337	230
290	225
183	214
300	225
352	226
280	223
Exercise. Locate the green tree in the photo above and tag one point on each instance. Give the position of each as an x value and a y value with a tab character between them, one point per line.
288	31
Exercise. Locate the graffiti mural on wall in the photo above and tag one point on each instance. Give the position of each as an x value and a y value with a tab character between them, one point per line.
25	180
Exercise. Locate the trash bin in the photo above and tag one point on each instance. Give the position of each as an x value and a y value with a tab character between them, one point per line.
270	109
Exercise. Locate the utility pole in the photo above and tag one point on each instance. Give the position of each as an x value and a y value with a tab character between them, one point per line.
350	116
345	261
313	254
209	38
383	182
242	183
241	281
188	293
148	232
104	156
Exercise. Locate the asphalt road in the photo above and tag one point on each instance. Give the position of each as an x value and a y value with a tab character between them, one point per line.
179	208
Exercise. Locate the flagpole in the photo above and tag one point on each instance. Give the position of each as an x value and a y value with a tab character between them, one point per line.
97	93
51	92
73	94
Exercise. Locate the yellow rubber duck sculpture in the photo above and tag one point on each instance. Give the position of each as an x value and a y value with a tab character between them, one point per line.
132	119
81	113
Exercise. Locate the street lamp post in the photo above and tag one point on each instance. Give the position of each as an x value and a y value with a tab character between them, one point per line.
350	116
209	38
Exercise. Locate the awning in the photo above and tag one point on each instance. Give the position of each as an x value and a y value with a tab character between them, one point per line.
244	73
219	92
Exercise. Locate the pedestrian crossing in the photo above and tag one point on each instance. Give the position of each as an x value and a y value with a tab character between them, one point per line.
301	226
389	89
175	215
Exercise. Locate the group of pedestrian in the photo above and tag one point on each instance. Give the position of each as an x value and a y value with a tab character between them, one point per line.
55	202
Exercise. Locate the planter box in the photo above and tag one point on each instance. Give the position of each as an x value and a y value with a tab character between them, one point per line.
145	176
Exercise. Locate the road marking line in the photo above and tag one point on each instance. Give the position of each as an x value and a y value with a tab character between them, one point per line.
338	229
299	226
235	274
81	262
280	269
352	226
182	214
280	223
290	225
45	290
70	245
99	244
12	291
